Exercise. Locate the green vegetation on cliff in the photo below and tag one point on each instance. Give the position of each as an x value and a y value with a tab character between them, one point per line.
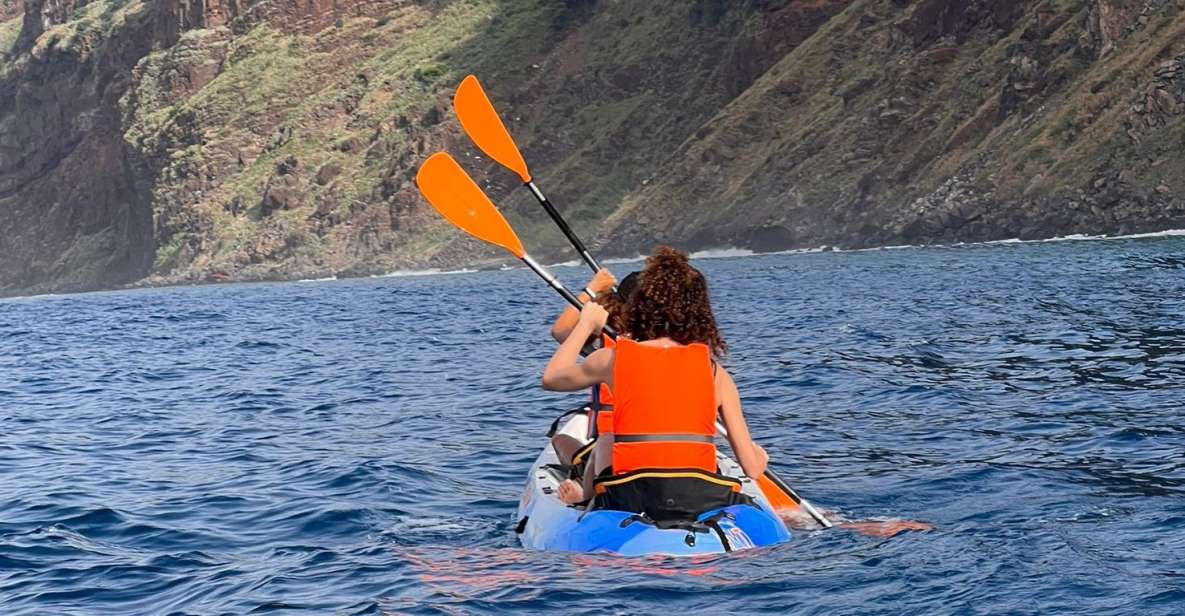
258	140
9	31
295	149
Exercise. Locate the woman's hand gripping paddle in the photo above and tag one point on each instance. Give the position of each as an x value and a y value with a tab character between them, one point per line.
780	495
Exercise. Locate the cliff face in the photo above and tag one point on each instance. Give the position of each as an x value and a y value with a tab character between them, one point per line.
69	213
934	121
206	140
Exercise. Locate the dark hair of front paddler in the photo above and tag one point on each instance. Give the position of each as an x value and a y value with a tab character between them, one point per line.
627	286
671	301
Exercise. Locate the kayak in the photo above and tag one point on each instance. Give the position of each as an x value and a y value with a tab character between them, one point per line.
546	523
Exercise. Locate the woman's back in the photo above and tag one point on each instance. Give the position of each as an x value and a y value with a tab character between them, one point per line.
665	409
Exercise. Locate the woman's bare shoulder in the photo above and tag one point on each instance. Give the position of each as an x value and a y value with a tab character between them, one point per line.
601	358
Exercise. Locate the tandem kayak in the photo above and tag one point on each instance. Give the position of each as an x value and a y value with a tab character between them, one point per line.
546	523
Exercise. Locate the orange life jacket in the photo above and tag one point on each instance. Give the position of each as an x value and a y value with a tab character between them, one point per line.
606	393
605	415
664	415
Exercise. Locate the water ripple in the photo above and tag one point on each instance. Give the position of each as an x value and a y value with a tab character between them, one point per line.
358	447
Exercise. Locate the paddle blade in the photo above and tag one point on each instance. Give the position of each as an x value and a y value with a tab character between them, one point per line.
481	122
458	198
777	497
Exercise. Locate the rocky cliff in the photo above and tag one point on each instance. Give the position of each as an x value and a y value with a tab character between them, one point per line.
938	121
206	140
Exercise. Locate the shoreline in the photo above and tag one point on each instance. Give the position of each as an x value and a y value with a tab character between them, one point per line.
508	265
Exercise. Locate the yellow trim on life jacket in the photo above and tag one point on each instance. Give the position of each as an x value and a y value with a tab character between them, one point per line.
735	484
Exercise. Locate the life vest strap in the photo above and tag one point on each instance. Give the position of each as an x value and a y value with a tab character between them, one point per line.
657	438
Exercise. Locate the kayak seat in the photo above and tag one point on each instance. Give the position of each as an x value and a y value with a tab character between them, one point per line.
669	495
568	449
555	425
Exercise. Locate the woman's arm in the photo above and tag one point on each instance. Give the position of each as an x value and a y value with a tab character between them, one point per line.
752	457
601	282
565	371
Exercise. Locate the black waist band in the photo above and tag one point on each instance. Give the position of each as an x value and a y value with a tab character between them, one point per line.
651	438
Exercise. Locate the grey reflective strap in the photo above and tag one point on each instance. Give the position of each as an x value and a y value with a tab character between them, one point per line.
653	438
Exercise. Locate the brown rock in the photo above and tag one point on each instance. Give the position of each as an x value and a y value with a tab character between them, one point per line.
326	206
1163	102
10	9
288	166
327	172
283	193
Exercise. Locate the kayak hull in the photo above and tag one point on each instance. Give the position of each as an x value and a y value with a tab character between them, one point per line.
546	523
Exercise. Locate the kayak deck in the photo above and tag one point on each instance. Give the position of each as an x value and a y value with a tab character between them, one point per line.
546	523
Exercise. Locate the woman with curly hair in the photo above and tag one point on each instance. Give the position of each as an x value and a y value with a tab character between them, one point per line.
667	386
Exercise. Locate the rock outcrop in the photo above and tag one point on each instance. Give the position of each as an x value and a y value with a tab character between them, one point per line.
10	9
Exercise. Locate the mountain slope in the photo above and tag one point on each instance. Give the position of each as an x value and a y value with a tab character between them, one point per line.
206	140
939	121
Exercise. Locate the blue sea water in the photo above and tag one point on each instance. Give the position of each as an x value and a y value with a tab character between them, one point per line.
358	446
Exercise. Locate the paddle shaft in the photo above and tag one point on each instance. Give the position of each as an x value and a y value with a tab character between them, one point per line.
563	225
785	487
562	290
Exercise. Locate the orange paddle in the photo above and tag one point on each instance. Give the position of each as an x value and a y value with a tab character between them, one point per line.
459	199
481	122
462	202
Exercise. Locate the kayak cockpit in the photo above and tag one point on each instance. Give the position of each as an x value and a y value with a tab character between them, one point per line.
547	523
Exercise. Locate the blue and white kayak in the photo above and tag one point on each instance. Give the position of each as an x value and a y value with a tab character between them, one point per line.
546	523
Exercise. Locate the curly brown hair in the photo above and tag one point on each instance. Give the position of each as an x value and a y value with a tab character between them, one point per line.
672	301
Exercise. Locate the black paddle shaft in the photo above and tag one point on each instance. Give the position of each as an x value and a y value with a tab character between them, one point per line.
563	225
562	290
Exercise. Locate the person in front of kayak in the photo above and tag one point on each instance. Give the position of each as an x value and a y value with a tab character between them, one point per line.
600	290
573	443
667	387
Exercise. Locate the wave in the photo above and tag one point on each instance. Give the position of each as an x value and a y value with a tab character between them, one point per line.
326	279
621	260
1083	237
735	253
722	253
1154	234
15	298
425	272
808	251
